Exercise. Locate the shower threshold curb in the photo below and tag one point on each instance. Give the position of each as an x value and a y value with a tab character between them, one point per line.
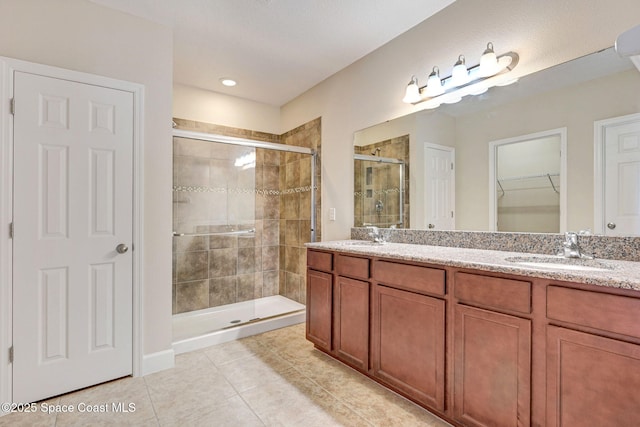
241	331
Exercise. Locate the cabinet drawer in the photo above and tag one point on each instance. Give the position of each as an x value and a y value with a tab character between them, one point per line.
352	266
320	260
410	277
606	312
493	292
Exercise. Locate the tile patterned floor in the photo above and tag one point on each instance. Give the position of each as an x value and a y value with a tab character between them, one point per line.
272	379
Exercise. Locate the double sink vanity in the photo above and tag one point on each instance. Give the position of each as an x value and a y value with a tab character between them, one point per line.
483	337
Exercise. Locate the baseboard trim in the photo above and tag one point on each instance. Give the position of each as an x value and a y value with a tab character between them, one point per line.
159	361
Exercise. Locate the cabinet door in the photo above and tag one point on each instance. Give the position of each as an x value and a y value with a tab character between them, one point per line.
591	380
408	344
492	368
319	303
351	334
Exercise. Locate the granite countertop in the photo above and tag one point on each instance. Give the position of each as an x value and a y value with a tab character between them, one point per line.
600	272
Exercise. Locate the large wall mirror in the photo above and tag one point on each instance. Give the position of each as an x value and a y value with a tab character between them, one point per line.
505	138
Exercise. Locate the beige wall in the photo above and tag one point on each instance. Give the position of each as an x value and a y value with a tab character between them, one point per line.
544	33
79	35
209	107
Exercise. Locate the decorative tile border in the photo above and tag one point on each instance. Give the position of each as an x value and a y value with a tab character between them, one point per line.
259	191
377	192
604	247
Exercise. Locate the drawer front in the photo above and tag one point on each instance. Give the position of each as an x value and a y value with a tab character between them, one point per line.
410	277
320	260
352	266
493	292
606	312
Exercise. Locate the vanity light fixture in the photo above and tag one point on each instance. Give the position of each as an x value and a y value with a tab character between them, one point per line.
412	94
463	81
460	74
488	62
434	84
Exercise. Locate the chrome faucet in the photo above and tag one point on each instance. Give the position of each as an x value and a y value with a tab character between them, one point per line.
571	248
376	234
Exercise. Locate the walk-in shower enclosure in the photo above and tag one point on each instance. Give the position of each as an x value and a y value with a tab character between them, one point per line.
242	211
379	193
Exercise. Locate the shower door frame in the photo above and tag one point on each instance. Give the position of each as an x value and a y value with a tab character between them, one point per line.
210	137
390	160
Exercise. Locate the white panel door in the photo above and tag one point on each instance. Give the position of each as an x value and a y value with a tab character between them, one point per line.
439	185
622	179
72	290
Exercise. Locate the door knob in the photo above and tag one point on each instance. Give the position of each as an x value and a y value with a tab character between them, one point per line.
122	248
611	225
431	226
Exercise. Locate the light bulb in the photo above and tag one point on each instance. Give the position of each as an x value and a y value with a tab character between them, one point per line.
488	62
412	94
228	82
434	84
460	74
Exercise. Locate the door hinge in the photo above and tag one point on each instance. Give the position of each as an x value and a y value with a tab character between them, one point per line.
11	354
451	214
12	106
452	166
11	230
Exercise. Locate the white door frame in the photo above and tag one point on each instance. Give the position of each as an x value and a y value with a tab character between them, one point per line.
452	154
7	68
599	131
493	149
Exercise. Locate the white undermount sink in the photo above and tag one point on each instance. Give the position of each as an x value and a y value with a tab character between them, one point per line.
559	263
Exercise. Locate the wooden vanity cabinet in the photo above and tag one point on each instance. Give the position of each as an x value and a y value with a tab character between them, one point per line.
492	351
481	348
408	344
319	298
492	368
593	358
351	311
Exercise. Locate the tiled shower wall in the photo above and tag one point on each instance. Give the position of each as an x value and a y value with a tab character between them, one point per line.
214	270
383	184
295	212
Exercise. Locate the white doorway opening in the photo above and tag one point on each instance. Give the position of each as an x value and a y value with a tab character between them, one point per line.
617	176
528	183
440	186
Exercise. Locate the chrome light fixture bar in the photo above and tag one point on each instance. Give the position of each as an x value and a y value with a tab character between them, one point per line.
463	81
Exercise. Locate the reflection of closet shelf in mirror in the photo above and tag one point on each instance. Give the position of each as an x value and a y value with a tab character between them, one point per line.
544	180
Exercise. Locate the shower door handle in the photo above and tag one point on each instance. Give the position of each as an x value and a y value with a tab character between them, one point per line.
122	248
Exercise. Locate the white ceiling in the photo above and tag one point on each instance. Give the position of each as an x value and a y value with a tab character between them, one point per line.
275	49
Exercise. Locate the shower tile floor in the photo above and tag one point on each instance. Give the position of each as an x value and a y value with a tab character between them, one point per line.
272	379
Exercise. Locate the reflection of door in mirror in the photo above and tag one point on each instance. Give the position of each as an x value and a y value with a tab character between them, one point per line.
381	186
439	186
528	183
617	186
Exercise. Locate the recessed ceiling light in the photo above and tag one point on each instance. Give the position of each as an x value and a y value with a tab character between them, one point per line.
228	82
